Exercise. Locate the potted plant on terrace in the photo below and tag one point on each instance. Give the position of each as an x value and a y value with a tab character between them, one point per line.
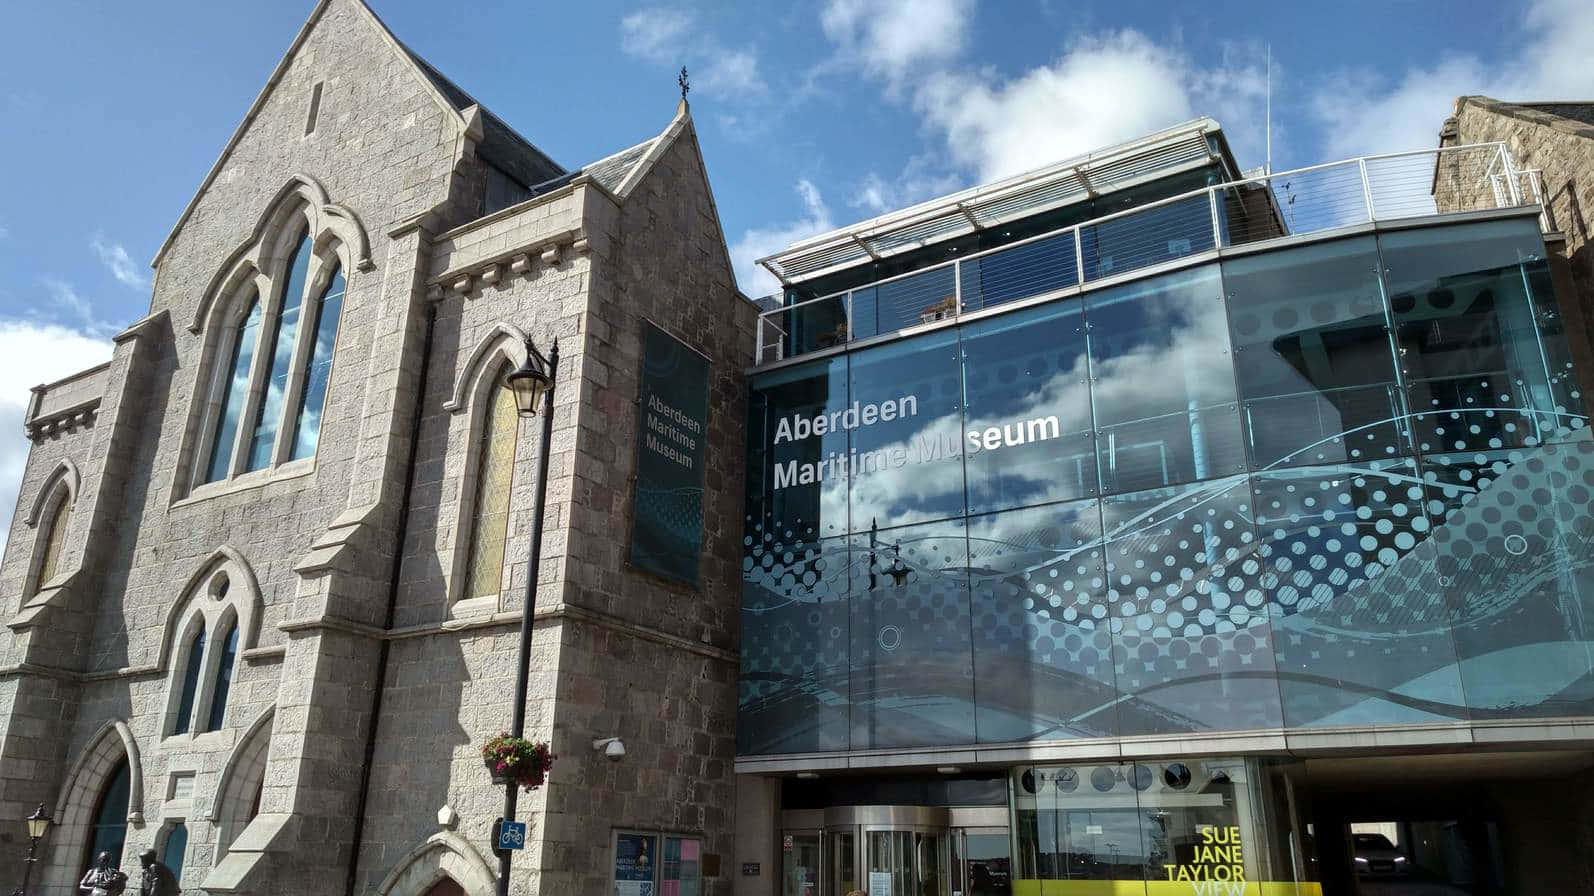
518	760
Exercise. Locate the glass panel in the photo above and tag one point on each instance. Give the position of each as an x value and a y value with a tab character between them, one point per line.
1147	237
1032	269
109	831
1028	433
1477	371
797	461
224	670
1169	331
1100	833
890	863
495	472
843	848
918	299
307	422
986	860
810	327
54	539
905	419
682	872
1042	640
1201	826
1360	622
1192	650
1565	388
929	864
195	667
792	694
1312	355
911	662
1515	541
800	868
284	336
176	848
234	391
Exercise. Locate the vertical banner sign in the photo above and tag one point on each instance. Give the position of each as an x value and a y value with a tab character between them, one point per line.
667	520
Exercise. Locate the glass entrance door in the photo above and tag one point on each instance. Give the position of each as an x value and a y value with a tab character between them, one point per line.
800	868
981	862
906	863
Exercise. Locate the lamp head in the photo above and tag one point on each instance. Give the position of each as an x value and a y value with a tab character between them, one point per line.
530	382
38	822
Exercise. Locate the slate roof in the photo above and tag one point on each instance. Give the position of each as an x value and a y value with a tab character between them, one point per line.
500	144
1583	112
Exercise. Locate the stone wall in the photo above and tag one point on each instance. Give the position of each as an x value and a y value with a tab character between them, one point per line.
1562	149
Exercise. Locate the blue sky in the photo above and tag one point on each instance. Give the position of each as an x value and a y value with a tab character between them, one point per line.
812	115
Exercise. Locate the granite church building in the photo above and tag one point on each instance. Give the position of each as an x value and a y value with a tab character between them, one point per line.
1136	524
264	588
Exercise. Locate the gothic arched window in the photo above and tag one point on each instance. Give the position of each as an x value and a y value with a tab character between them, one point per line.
268	396
489	516
108	831
51	538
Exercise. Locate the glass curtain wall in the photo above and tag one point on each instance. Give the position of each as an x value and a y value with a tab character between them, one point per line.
1345	483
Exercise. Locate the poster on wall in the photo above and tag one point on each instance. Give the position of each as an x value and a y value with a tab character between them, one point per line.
667	519
635	858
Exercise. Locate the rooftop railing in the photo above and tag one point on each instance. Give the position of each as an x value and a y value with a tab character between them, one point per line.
1304	201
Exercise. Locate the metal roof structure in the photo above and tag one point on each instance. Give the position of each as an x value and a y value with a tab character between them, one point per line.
1181	147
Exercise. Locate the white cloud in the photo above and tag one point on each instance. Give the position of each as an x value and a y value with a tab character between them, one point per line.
673	36
1103	89
733	72
115	257
66	298
1546	60
657	34
895	38
32	353
921	178
757	243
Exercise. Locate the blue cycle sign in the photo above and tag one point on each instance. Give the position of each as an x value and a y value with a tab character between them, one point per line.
512	835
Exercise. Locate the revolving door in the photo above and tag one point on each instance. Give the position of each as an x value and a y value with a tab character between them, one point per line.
892	850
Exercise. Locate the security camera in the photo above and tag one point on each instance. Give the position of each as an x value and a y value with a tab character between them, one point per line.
612	748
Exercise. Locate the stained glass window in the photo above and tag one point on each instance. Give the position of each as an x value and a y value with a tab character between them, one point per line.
490	511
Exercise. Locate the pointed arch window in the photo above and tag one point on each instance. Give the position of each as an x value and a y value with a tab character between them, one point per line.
235	389
489	526
176	849
191	675
108	832
52	539
222	685
269	383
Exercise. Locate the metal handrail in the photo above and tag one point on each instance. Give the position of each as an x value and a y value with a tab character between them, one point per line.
1502	155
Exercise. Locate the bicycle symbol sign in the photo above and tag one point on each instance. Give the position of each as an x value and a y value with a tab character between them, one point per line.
512	835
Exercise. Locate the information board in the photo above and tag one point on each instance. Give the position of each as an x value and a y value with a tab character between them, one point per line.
635	856
672	429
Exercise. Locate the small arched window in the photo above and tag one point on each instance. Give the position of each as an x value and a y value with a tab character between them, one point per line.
191	675
51	540
109	830
495	468
222	684
269	385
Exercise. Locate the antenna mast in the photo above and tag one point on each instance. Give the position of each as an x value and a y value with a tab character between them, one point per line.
1268	165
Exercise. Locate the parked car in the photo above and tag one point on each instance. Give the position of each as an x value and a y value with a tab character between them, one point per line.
1375	855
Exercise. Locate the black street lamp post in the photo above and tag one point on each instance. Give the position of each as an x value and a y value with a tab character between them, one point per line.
532	384
38	825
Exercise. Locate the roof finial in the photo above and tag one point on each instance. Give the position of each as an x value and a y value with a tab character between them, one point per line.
685	84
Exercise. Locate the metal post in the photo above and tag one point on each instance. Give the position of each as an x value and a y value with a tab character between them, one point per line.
523	670
1367	188
27	869
1510	176
1217	226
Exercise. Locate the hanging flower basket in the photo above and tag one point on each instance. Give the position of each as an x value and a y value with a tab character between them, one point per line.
515	759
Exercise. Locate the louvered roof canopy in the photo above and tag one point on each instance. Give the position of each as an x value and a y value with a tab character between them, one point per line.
978	208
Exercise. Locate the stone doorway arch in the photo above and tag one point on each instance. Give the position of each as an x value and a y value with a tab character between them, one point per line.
445	859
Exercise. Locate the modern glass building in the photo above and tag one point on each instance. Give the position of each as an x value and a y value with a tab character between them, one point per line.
1133	526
